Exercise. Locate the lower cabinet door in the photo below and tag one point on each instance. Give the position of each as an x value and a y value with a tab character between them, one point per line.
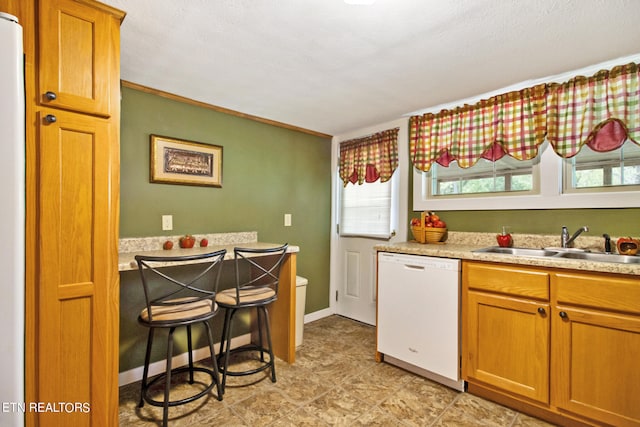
595	365
508	344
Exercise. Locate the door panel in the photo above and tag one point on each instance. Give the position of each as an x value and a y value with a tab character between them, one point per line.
352	281
596	365
357	290
74	60
74	187
508	345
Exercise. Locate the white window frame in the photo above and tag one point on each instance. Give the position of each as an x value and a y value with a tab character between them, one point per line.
567	170
535	171
550	196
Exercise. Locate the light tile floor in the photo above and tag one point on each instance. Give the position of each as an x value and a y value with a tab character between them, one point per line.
334	381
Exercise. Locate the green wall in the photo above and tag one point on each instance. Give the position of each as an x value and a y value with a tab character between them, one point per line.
267	171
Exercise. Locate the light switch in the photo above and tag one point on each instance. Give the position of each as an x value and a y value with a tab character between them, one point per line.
167	222
287	220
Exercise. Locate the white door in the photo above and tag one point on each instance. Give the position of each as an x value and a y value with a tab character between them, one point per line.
356	287
353	259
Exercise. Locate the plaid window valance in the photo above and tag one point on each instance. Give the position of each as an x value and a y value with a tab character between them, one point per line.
369	158
601	111
513	123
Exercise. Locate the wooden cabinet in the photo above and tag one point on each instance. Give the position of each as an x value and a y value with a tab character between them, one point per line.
596	335
509	345
559	344
77	312
72	207
506	341
75	40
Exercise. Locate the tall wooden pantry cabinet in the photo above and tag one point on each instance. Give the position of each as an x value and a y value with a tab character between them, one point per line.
72	78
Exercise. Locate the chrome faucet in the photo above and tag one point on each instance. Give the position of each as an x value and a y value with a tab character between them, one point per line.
567	241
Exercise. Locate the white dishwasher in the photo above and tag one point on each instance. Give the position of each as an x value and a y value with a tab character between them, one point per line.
419	315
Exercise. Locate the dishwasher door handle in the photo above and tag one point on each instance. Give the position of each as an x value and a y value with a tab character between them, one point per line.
414	267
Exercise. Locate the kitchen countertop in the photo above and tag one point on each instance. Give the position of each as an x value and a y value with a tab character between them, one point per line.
152	246
126	261
462	245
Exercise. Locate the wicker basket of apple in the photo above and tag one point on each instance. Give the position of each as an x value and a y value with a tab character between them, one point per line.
430	228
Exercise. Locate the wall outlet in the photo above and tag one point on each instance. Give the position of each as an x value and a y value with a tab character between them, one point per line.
287	220
167	222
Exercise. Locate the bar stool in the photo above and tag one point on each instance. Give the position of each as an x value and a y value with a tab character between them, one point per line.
179	297
257	278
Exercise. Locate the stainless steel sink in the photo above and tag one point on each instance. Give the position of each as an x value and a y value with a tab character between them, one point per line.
600	257
562	253
518	251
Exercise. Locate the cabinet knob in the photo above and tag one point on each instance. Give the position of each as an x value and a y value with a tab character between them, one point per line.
541	310
563	315
50	118
50	95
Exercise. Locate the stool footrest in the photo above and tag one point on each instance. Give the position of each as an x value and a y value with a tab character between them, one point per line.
175	371
246	349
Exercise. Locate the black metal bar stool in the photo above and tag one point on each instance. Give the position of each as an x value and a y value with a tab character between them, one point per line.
257	278
175	299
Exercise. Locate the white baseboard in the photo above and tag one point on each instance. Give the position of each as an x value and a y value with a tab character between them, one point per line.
317	315
135	374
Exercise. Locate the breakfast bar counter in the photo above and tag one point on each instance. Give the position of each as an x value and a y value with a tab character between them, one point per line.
281	311
126	260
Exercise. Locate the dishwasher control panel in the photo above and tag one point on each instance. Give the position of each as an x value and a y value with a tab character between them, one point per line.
422	262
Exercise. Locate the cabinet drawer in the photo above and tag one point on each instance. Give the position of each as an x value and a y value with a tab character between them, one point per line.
598	291
506	279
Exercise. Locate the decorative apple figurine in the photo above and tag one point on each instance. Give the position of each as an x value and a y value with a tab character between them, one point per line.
167	245
187	241
204	243
504	240
628	245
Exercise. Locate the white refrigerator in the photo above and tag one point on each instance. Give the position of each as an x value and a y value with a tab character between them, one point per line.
12	221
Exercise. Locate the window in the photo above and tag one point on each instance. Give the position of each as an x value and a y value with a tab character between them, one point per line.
365	210
367	165
617	170
506	175
617	187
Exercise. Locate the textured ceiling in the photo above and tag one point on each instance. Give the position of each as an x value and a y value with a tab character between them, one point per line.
331	67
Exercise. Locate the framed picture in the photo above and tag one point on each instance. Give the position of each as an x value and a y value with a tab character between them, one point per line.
176	161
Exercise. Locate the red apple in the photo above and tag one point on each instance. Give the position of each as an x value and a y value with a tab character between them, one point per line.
504	240
204	243
167	245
